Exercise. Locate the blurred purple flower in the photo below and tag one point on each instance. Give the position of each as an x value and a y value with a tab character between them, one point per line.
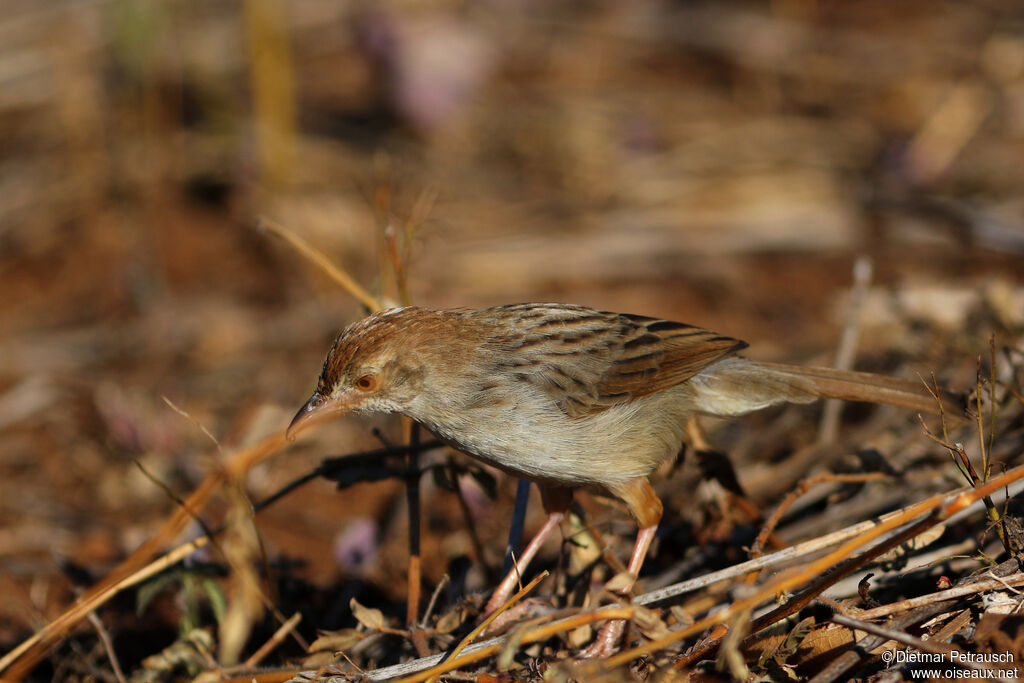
435	65
357	546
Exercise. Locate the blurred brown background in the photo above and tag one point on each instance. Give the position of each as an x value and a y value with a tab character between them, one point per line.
721	163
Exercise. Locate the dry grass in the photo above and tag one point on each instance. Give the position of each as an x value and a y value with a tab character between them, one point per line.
193	200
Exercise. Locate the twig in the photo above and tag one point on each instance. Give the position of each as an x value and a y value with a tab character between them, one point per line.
178	500
828	428
194	421
279	635
268	677
803	487
441	585
941	596
108	646
340	276
1016	394
966	468
991	407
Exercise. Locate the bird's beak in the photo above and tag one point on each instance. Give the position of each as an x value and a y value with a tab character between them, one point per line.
317	405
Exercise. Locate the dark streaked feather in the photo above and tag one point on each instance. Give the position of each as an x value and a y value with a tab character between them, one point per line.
589	360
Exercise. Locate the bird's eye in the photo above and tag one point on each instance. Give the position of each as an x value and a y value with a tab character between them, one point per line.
366	383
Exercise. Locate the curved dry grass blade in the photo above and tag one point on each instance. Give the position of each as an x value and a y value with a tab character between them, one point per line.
498	612
344	280
276	639
757	549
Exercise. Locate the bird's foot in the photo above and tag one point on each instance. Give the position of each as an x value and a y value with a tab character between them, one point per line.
607	641
525	609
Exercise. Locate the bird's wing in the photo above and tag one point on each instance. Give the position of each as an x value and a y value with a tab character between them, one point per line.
588	360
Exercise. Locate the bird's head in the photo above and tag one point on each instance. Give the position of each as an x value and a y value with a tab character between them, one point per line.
373	366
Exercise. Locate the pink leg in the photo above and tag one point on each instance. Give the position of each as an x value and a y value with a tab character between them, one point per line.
509	584
610	634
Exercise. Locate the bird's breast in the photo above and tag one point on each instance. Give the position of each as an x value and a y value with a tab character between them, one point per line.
532	439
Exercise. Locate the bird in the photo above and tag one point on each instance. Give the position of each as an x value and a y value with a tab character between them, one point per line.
568	397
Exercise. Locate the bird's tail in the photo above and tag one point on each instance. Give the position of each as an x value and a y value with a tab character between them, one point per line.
865	386
764	384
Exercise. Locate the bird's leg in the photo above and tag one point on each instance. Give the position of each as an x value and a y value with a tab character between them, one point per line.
556	501
610	634
508	585
646	507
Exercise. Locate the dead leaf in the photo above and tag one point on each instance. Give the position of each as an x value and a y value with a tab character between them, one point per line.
578	637
369	617
620	583
343	639
450	621
318	659
649	622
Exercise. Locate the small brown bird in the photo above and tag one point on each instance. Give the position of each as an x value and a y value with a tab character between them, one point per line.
568	397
